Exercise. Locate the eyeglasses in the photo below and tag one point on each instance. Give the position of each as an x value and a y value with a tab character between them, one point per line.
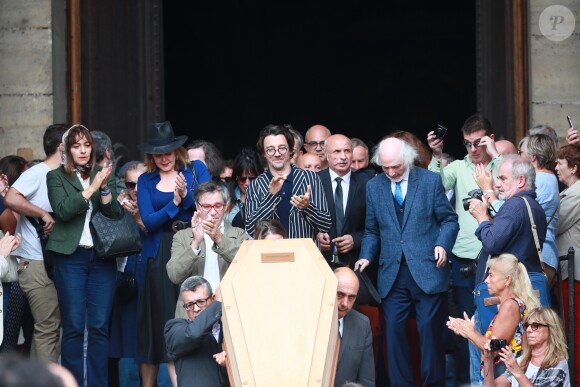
534	325
130	185
200	304
470	144
281	149
208	207
315	144
244	178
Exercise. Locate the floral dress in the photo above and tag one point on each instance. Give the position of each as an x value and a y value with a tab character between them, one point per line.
516	341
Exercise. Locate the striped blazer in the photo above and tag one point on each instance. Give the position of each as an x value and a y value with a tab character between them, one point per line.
260	204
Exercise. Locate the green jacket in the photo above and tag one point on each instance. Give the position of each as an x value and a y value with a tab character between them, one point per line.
70	208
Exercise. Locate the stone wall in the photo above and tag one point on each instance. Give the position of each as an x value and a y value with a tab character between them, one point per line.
554	64
26	76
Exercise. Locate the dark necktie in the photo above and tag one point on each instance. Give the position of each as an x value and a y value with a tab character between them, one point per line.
338	206
399	193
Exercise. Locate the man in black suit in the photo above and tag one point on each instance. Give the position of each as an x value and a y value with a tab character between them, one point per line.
355	357
195	343
345	194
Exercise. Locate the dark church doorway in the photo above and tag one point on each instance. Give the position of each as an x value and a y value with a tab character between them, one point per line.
361	69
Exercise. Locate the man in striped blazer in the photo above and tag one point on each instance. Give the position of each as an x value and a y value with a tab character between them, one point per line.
293	196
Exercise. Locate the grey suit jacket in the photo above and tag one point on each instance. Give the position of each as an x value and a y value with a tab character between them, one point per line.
355	357
184	262
192	346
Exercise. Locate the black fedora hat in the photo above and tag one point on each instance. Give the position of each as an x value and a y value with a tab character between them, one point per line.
161	139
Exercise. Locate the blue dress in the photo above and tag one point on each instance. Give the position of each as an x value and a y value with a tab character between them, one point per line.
159	296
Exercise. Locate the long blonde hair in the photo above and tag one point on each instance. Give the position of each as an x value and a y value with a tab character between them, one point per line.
557	349
520	284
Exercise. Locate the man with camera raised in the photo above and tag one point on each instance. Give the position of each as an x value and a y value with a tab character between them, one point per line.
458	175
510	231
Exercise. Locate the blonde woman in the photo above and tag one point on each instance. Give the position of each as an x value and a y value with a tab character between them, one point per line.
508	280
544	356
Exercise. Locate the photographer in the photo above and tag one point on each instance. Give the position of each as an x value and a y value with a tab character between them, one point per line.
459	176
510	230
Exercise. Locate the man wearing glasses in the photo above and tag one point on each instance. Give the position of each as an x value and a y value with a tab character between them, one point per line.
459	175
314	142
194	343
207	247
293	196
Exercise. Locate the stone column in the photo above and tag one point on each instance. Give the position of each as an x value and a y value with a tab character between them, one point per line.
27	79
554	63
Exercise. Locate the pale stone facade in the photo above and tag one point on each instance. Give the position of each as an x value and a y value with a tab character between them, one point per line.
26	76
33	71
554	68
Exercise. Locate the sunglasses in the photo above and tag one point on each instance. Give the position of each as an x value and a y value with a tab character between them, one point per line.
470	144
130	185
534	326
244	178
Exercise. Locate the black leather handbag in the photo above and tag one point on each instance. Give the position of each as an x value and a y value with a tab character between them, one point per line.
115	237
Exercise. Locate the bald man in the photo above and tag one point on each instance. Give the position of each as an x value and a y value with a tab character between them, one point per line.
410	227
309	161
355	357
344	191
314	142
505	147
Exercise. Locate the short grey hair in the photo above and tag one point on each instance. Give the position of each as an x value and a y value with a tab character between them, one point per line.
542	146
358	142
102	143
521	168
211	187
408	153
192	283
547	130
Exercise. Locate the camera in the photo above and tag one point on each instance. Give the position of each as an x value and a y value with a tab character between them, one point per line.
473	194
468	270
496	344
440	131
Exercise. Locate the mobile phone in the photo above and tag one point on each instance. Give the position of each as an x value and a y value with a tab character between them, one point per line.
440	131
570	121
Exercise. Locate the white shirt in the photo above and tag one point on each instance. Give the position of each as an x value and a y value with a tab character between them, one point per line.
340	326
86	237
345	184
32	185
211	270
404	183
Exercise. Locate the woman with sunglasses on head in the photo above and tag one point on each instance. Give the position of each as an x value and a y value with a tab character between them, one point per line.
166	204
85	284
246	167
543	362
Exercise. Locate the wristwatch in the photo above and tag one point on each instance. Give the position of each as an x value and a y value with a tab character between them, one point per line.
487	191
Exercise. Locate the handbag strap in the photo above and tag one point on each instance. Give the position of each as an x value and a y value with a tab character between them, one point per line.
554	214
534	232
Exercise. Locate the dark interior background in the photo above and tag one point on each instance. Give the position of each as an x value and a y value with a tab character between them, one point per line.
363	70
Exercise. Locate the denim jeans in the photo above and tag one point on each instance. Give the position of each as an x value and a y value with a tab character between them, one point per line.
85	286
475	356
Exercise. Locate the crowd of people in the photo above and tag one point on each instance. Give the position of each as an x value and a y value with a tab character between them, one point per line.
426	229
